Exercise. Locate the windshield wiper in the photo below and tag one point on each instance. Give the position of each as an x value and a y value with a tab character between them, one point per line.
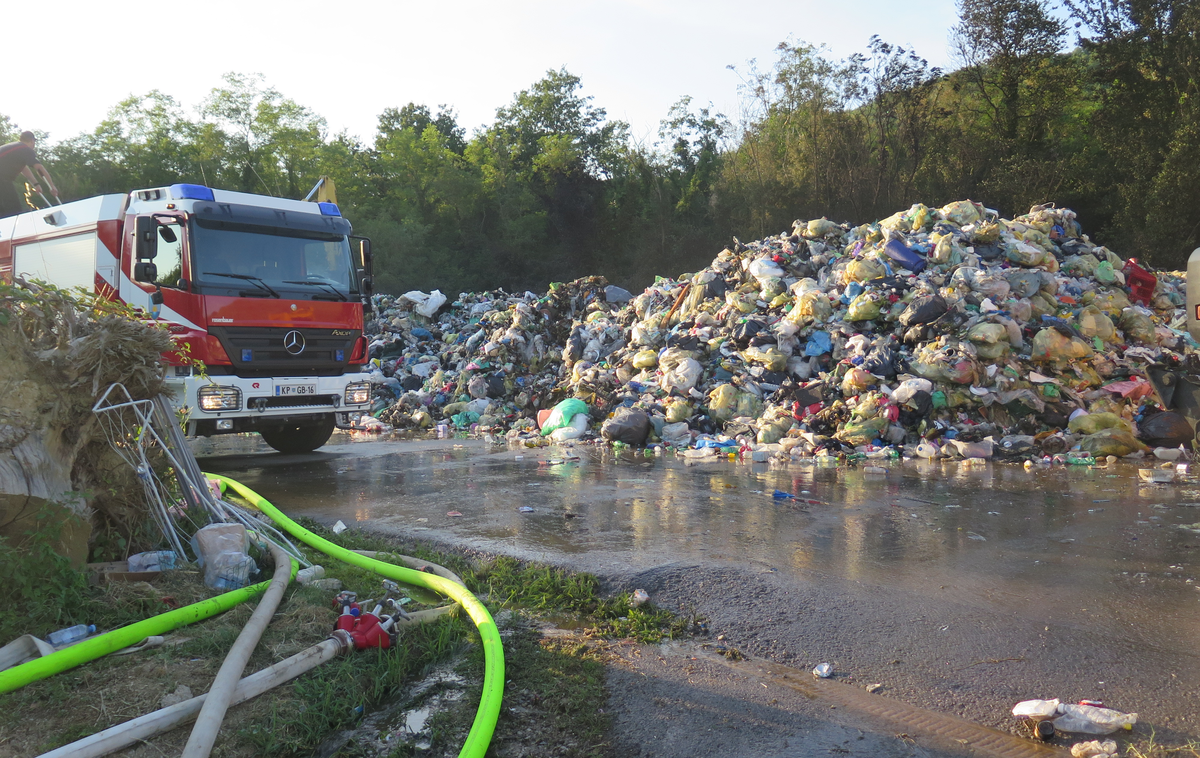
256	281
329	287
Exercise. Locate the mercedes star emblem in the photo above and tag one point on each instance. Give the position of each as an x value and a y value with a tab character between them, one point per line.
293	342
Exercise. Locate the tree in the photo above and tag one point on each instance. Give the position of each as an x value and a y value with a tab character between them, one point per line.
1003	44
418	118
263	141
1144	57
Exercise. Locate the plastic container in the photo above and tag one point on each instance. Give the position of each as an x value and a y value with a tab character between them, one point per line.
904	255
1141	282
71	634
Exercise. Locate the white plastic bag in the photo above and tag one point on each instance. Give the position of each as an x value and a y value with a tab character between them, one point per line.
1088	719
1095	749
1038	710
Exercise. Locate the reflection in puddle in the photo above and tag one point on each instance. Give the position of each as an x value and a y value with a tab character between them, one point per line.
993	533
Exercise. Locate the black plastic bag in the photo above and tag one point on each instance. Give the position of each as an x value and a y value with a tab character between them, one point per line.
628	425
924	310
1166	429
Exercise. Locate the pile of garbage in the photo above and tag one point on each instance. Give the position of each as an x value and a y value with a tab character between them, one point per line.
936	332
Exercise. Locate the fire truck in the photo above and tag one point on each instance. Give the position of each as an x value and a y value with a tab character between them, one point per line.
268	293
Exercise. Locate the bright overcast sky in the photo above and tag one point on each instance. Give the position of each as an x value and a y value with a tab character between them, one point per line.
347	60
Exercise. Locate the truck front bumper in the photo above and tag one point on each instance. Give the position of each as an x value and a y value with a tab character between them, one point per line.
229	404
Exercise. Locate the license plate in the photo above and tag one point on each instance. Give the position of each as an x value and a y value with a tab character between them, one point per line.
295	389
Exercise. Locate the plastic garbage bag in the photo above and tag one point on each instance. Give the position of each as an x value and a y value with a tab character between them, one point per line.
962	212
819	343
628	425
562	414
644	359
614	294
1095	749
865	269
1111	301
1093	322
211	540
426	305
768	356
1038	710
923	310
1137	325
722	401
677	409
861	432
676	435
865	307
229	570
682	374
991	340
909	388
1090	423
1166	429
813	304
1112	441
821	227
855	381
1089	719
1049	346
573	430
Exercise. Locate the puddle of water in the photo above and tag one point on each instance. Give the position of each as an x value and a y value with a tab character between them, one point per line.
1106	547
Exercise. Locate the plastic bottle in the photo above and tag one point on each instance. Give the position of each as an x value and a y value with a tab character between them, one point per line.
310	574
71	634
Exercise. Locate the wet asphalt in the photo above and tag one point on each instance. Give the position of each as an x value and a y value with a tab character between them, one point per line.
958	587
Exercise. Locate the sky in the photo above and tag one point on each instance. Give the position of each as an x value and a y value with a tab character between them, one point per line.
347	60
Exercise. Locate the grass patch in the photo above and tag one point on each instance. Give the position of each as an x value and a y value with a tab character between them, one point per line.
554	693
513	584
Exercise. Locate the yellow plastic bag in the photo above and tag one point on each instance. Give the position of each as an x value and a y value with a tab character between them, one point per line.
1093	422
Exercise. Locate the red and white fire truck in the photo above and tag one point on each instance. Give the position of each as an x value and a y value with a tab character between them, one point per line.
269	293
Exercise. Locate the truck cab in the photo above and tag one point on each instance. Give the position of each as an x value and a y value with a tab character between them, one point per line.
267	293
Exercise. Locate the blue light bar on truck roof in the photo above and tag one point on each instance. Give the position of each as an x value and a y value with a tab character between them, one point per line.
191	192
329	209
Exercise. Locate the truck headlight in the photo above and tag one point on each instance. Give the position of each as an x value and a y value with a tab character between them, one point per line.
217	398
358	393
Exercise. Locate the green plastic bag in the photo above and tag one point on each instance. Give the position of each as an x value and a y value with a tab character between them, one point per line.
1051	347
865	307
1111	442
1138	326
861	432
562	414
1094	422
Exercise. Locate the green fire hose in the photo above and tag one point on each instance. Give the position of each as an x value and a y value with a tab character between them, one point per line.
484	725
118	639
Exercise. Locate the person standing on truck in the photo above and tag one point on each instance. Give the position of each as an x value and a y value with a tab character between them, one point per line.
17	158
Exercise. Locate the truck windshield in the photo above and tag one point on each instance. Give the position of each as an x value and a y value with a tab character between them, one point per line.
248	259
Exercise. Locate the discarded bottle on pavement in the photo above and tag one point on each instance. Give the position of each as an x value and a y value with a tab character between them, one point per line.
71	634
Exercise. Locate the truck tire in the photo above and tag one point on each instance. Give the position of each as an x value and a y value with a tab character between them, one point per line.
300	438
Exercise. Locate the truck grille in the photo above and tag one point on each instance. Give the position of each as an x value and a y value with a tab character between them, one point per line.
269	355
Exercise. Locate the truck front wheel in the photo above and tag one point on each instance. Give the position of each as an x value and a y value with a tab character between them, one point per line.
300	438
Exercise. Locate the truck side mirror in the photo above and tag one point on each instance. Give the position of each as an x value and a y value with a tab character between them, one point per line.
146	239
145	271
